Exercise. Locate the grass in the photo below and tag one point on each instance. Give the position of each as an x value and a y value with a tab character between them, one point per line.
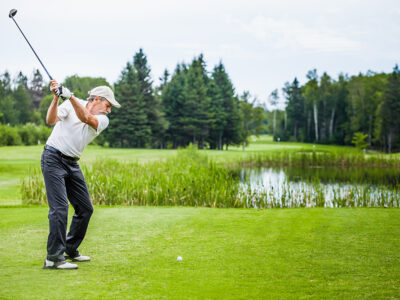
227	254
319	253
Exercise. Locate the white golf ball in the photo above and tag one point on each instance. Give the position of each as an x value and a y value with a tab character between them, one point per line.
179	258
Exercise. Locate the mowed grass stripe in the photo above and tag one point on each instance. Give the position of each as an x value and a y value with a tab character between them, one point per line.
227	254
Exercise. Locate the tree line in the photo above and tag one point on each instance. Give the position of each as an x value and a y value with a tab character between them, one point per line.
328	111
190	105
193	105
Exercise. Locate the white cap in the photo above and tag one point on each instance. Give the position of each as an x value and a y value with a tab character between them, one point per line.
106	92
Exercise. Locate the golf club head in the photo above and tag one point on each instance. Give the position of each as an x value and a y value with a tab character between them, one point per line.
12	13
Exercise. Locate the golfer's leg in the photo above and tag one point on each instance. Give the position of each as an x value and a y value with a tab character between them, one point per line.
53	174
78	195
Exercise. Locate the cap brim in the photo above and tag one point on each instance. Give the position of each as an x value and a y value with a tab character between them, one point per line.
114	103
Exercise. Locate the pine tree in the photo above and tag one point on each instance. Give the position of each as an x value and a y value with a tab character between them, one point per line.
128	125
222	101
154	114
390	110
295	107
37	88
197	115
173	101
23	102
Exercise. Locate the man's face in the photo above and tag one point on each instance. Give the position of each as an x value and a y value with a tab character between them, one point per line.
99	107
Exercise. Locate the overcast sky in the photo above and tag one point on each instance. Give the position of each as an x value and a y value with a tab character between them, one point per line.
262	44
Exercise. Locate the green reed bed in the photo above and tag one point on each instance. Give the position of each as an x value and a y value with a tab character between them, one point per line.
318	157
188	179
192	179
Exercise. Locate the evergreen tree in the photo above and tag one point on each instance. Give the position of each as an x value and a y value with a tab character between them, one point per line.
37	89
128	125
222	95
295	107
8	112
23	102
152	105
389	110
197	116
173	101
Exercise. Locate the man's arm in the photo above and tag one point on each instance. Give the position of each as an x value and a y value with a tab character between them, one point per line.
83	114
51	117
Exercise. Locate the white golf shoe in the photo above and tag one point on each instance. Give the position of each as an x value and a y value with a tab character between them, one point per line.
60	265
79	258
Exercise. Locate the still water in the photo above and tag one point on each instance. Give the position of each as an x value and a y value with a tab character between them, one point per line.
320	186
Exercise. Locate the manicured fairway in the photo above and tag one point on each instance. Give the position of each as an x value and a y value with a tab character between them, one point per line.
227	254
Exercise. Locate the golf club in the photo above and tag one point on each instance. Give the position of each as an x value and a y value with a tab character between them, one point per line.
12	13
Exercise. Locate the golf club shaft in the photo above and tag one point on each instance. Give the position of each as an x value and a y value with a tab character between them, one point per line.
51	78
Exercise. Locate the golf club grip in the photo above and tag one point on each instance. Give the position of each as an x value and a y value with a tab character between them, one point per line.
51	78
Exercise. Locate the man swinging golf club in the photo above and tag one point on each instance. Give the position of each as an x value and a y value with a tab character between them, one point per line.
77	122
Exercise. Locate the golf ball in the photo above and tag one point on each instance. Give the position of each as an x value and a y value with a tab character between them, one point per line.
179	258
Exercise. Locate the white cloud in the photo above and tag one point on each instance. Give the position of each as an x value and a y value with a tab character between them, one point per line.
295	35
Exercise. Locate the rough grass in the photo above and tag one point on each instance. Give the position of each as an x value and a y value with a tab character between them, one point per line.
227	254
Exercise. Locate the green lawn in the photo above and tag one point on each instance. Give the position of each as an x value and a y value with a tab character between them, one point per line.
316	253
227	254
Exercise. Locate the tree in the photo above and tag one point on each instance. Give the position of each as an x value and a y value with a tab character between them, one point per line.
252	118
173	100
37	88
80	86
222	95
311	95
8	112
295	106
273	99
129	125
152	105
197	115
389	110
23	102
359	140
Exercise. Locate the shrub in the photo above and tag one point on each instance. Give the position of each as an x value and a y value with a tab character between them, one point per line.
9	136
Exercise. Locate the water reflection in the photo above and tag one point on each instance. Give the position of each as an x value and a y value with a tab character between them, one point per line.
320	186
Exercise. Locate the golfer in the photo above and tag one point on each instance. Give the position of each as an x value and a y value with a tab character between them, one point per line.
77	122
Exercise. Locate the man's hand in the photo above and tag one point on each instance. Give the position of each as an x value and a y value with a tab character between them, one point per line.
54	87
64	93
60	91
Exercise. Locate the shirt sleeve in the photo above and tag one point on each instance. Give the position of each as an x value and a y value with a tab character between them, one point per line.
103	123
63	110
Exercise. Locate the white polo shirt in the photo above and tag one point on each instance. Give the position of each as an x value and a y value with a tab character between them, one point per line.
71	135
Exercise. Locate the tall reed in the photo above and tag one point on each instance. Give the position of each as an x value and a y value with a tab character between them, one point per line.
189	179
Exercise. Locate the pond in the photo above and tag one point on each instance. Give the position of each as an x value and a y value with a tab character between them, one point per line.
268	187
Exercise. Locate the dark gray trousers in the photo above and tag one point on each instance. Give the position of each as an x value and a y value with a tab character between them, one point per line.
64	181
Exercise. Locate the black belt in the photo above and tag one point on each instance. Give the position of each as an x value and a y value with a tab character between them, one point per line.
54	150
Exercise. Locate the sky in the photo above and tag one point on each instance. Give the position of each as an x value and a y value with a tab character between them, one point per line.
262	44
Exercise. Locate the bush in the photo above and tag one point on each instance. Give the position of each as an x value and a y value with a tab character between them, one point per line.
32	134
28	134
9	136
